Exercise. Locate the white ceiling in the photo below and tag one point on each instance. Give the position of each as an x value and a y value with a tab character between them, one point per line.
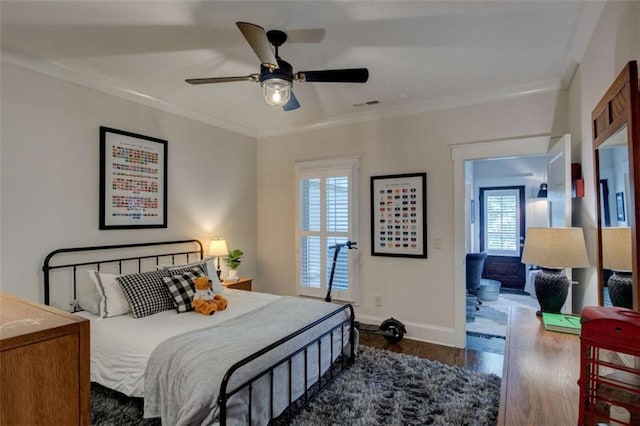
420	55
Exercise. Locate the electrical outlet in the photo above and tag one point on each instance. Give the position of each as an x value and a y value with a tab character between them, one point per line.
437	242
378	300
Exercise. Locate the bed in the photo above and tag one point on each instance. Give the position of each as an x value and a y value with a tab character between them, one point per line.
264	358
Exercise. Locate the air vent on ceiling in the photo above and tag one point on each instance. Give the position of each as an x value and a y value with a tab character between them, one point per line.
366	103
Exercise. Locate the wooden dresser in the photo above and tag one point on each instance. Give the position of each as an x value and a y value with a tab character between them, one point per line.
540	374
44	365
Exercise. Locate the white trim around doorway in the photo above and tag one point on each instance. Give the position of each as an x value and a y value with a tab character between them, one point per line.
535	145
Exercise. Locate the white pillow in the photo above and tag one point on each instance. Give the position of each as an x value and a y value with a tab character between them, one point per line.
112	299
210	270
90	303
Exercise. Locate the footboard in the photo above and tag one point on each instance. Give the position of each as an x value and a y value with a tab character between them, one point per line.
340	358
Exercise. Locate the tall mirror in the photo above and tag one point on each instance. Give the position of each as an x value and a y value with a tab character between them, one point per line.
616	141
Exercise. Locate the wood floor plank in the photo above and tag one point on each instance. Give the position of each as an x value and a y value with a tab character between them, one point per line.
482	362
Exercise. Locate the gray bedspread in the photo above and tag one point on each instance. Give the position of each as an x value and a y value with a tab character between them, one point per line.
183	376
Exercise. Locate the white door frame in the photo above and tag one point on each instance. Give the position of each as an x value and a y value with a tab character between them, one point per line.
536	145
559	193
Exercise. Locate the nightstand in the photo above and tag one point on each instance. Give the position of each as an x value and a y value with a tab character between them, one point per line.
241	284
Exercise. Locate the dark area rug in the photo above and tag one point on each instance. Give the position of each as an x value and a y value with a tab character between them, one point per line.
111	408
382	388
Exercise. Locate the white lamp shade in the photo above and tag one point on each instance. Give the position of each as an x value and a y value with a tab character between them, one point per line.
218	247
555	248
616	249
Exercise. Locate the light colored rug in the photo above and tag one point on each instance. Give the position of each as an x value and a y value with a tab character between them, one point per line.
491	318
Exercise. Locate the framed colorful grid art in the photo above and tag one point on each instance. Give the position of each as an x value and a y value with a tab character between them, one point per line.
399	215
133	180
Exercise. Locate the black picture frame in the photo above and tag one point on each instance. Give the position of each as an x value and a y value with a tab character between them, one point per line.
620	206
399	215
133	180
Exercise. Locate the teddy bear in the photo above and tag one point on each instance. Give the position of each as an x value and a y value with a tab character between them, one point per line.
220	301
203	299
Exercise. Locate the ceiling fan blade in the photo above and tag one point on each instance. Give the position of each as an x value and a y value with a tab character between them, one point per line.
257	39
350	75
291	104
252	77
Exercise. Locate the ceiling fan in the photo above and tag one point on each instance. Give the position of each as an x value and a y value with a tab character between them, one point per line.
276	75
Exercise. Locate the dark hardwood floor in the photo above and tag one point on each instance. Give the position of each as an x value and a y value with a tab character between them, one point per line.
482	362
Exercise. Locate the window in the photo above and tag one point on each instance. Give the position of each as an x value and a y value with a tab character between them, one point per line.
326	203
502	222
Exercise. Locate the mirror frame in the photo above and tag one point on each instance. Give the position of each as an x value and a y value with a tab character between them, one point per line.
617	108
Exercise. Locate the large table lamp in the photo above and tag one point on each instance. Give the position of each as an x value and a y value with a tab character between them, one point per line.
554	249
218	248
616	256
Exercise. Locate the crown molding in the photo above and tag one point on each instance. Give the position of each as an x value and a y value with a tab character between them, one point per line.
475	98
116	88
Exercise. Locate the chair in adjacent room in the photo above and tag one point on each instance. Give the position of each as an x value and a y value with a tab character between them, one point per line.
475	264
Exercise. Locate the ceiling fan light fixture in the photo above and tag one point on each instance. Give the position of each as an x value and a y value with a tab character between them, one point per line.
276	91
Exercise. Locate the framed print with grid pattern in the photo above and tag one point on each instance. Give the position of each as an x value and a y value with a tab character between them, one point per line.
399	215
133	180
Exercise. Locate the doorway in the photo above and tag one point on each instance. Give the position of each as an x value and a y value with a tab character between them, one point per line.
466	204
506	193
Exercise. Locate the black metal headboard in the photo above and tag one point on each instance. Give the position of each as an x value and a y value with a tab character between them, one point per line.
47	267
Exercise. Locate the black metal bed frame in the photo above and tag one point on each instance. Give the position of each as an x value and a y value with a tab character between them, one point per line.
343	360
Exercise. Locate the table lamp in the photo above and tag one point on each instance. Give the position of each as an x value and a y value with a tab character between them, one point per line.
218	248
554	249
616	256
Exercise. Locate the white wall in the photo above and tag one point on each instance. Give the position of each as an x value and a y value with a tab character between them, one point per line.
615	41
419	292
49	180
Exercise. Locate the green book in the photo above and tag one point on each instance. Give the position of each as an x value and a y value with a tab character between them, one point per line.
563	323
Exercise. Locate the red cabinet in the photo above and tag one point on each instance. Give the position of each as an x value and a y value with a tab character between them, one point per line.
609	380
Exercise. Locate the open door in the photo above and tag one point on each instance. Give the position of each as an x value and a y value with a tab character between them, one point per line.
559	192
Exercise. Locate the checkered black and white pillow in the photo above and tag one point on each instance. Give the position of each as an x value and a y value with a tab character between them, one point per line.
188	268
207	266
146	293
182	288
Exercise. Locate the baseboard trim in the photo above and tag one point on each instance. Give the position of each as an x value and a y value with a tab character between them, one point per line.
420	332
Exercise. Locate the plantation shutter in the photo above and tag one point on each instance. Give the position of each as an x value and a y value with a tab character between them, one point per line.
310	210
337	211
326	216
502	228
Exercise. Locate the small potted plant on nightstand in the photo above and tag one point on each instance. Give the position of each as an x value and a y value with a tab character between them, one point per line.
233	261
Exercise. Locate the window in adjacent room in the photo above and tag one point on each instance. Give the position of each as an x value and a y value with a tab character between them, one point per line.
326	205
501	224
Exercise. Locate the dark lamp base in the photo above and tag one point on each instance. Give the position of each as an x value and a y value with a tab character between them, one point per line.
552	287
621	289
